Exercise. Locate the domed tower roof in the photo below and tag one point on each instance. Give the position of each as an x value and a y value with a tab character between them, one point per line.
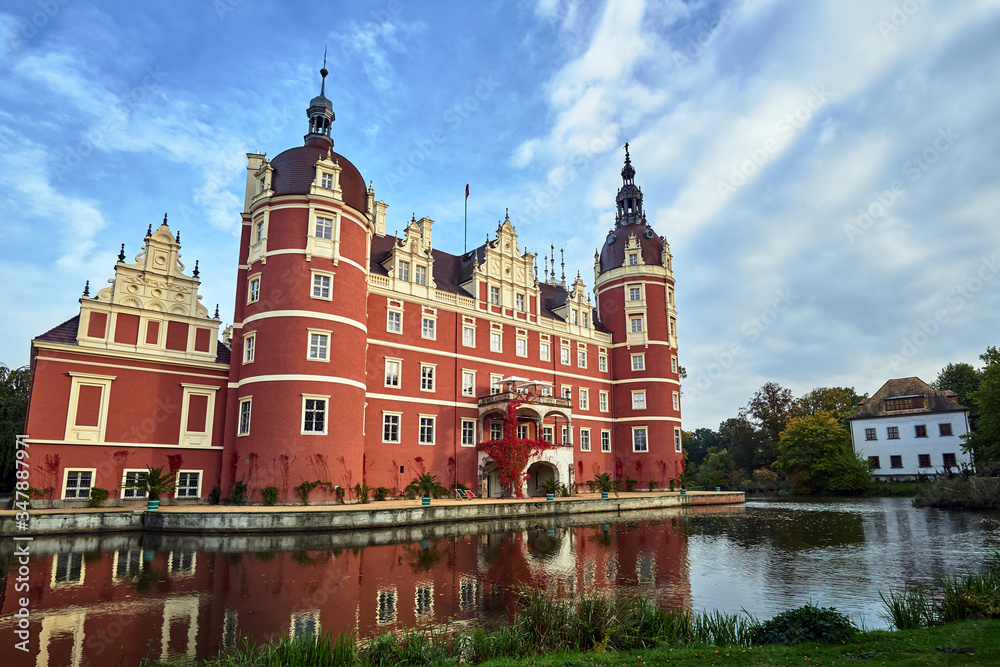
630	220
294	169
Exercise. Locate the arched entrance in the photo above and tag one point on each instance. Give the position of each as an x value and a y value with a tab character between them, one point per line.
537	473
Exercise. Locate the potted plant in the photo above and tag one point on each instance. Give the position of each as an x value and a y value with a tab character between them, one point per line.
551	486
154	483
426	486
604	483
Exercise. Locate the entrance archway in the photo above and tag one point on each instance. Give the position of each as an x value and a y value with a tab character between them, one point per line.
537	473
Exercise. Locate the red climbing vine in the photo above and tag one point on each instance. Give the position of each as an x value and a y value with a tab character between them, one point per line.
511	453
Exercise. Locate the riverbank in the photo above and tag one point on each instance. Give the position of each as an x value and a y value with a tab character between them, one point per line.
222	519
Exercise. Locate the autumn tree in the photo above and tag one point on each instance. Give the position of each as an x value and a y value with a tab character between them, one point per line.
839	402
13	410
770	409
816	455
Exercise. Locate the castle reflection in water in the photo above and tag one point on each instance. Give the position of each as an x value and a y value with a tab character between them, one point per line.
96	598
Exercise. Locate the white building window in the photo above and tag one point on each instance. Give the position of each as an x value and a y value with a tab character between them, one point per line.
677	439
633	259
495	296
321	284
468	336
584	439
468	383
426	436
249	343
564	354
188	484
639	399
130	481
420	275
253	290
602	401
519	302
394	321
634	293
468	433
605	441
78	483
639	439
635	323
496	341
602	363
393	367
324	228
403	272
428	327
390	426
581	358
544	351
565	436
584	399
244	425
326	181
522	431
496	430
521	347
677	401
567	391
547	433
319	346
673	364
426	377
313	415
495	387
638	362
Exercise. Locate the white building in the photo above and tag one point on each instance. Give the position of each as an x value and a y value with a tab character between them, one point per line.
909	428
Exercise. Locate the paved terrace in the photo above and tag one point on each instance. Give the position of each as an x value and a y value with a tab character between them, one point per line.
319	517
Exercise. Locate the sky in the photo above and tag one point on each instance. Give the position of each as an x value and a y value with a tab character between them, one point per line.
825	172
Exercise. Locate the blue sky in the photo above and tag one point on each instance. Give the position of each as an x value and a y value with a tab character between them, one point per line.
825	172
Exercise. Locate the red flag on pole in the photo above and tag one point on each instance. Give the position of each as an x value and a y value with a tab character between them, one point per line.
466	190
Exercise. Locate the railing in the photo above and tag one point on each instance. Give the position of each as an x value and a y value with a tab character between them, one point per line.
535	399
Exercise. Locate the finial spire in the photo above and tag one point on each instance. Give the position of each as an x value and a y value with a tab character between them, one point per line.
195	273
149	230
165	218
121	254
216	311
86	289
177	237
562	263
323	73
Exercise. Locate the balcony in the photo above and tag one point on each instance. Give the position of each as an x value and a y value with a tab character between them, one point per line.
536	400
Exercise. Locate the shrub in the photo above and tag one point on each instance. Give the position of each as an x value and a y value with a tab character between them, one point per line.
98	496
339	493
805	624
629	484
361	493
381	493
214	495
653	484
269	494
239	496
305	488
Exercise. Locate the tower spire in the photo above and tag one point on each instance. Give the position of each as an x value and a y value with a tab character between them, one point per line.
320	114
629	198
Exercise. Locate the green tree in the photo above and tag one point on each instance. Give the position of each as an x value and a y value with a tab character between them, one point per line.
715	470
816	454
13	410
770	409
984	440
697	442
839	402
746	446
426	485
964	380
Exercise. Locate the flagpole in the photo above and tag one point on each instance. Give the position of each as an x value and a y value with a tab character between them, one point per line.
466	247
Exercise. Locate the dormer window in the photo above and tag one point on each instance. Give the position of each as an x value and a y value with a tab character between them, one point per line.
420	275
633	259
324	228
404	271
326	181
262	185
903	403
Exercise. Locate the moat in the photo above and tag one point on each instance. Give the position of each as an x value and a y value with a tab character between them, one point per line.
176	596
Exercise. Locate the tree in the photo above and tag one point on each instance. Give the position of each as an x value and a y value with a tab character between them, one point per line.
964	380
816	454
744	444
426	485
839	402
984	439
770	409
697	442
14	386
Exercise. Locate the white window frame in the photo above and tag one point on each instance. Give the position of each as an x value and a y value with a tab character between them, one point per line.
241	428
197	438
90	434
633	293
581	358
468	335
420	275
678	439
548	434
638	399
92	472
427	380
635	324
566	434
253	288
468	427
389	327
326	414
398	364
388	417
197	487
426	421
428	327
673	363
566	391
645	437
605	440
326	180
321	335
403	271
545	350
132	492
677	400
564	354
584	398
318	226
495	387
584	439
522	430
495	295
468	388
496	429
519	302
249	343
496	341
521	346
602	363
322	275
638	362
602	400
633	258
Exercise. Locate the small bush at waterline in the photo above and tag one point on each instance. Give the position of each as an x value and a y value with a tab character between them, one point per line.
805	624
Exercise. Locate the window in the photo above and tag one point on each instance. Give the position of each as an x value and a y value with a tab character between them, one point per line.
390	427
326	181
920	430
468	383
314	415
259	226
677	401
426	377
639	399
639	441
519	301
495	387
248	347
78	483
896	461
544	351
870	434
321	286
605	441
635	324
496	430
633	259
392	369
581	358
547	433
584	399
130	480
673	364
244	426
634	294
319	345
468	336
522	431
424	599
546	391
522	347
68	568
565	436
638	362
404	271
893	433
602	401
496	341
678	440
944	429
495	296
324	228
253	293
567	391
923	460
584	439
385	610
903	403
188	484
564	354
949	460
420	275
426	431
602	363
427	327
468	433
873	463
394	321
127	563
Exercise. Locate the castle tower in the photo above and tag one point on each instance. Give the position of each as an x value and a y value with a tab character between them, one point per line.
297	379
634	284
